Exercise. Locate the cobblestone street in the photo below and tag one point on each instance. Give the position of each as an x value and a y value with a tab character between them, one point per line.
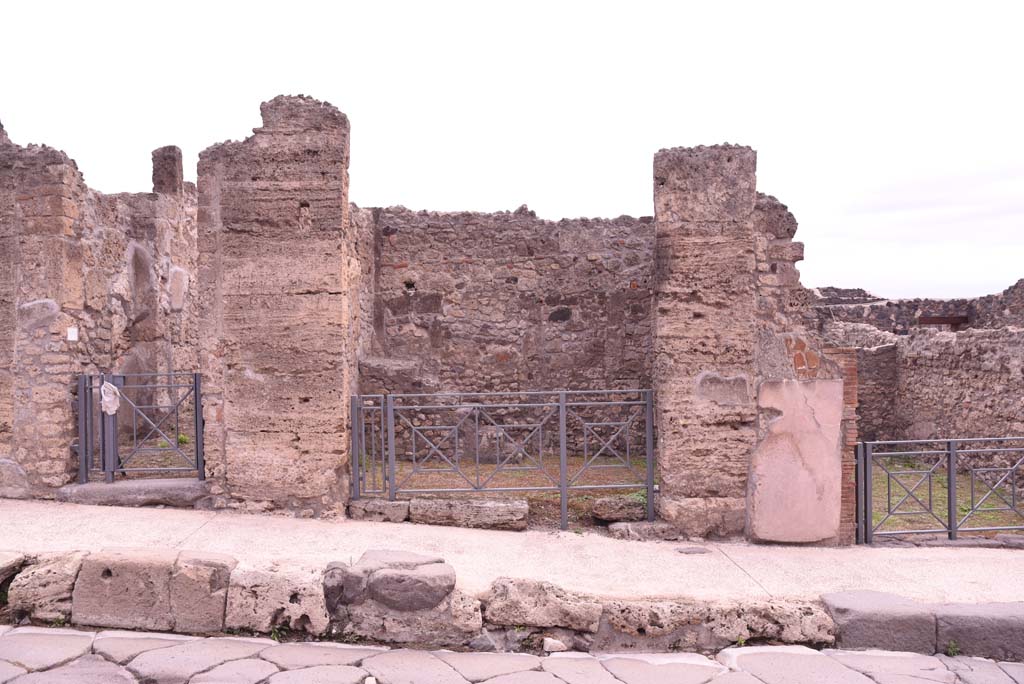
34	655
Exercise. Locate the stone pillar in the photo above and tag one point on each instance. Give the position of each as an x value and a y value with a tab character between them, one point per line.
167	170
47	257
705	335
274	280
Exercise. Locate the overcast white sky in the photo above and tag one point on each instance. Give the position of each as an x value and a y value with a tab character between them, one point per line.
893	130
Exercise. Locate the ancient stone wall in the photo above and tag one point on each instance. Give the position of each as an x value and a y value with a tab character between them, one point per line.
833	305
86	265
507	302
964	384
279	280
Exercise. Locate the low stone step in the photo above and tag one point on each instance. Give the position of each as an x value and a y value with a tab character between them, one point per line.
173	492
495	514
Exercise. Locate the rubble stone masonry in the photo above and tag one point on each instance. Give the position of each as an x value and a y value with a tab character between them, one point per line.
98	265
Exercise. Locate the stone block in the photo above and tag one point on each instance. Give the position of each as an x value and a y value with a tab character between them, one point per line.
704	517
350	584
172	492
14	482
42	591
10	562
714	183
987	630
796	470
618	508
453	622
873	619
497	514
539	604
199	588
412	589
263	599
378	510
167	170
125	588
644	531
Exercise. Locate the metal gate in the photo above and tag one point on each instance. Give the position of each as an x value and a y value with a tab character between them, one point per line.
405	444
157	426
939	487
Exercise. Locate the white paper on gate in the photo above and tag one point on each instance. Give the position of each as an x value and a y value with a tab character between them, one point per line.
110	398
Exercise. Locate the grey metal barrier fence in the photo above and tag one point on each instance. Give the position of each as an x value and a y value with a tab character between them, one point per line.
943	486
405	444
157	426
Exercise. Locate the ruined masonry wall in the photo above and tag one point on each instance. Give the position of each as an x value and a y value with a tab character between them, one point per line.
507	301
99	263
278	306
832	305
964	384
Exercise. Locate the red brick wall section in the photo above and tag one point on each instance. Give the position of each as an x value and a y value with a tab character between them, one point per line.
846	358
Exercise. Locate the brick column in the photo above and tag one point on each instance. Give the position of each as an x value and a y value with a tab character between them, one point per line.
705	334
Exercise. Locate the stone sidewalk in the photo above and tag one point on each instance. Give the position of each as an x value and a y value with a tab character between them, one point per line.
588	563
31	655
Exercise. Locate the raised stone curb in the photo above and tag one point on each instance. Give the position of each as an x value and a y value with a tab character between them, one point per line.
870	619
42	590
495	514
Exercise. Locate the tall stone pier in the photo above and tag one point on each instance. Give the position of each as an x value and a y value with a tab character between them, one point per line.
704	334
749	408
275	272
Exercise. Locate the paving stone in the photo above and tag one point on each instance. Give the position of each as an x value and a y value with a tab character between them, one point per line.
789	665
1015	670
873	619
578	670
123	646
38	649
417	588
178	664
893	667
737	678
322	674
89	669
295	656
247	671
199	590
684	668
128	588
988	630
411	667
9	671
42	591
976	670
529	677
477	667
